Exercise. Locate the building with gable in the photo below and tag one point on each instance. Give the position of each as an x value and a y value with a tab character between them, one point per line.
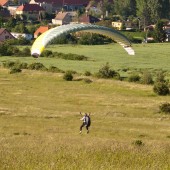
63	18
52	6
30	11
88	19
5	35
4	3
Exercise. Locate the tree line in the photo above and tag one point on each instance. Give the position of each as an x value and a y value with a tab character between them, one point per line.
147	11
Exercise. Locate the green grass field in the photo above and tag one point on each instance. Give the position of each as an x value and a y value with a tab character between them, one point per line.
39	114
148	56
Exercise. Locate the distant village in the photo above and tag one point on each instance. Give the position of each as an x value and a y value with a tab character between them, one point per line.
39	16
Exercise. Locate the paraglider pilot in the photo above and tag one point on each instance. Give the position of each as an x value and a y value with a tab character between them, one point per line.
86	122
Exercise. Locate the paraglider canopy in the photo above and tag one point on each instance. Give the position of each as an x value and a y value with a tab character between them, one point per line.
44	39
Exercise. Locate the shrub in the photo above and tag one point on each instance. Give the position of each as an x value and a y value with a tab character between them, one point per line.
68	76
87	73
17	64
23	66
147	78
106	72
125	69
26	52
55	70
134	78
86	80
138	143
47	53
165	107
37	66
161	88
160	77
5	50
15	70
161	85
71	56
8	64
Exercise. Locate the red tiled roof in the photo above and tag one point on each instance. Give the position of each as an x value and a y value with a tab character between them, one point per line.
41	30
88	19
30	7
3	2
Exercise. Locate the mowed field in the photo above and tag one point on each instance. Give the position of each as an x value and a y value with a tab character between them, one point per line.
40	120
148	56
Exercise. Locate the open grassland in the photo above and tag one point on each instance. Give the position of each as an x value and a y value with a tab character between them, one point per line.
148	56
39	121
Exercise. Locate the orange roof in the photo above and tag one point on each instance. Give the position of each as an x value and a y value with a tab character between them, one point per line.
3	2
30	7
41	30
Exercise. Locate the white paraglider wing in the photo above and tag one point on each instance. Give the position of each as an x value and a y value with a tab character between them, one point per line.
44	39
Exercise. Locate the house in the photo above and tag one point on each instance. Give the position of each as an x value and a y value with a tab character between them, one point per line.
19	35
63	18
4	3
46	5
5	35
30	11
118	25
51	6
12	10
41	30
88	19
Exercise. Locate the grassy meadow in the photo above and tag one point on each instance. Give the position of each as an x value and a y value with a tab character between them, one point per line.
39	114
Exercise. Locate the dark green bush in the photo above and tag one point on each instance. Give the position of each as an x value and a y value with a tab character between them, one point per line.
87	73
146	78
86	80
5	50
161	85
134	78
165	107
15	70
125	69
138	143
55	69
70	56
26	52
72	71
160	77
68	76
161	88
16	64
23	65
106	72
37	66
47	53
8	64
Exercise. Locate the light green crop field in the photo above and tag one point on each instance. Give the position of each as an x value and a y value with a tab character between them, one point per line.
40	120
